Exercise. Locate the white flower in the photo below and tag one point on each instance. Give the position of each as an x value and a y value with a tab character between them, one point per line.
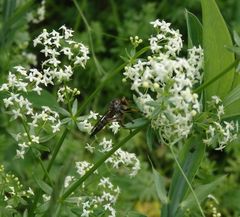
106	145
90	148
114	127
35	139
20	153
83	167
93	115
68	180
16	113
56	127
30	191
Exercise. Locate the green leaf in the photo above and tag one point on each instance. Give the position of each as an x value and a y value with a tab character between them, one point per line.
41	147
190	158
216	57
160	187
46	138
139	122
202	192
8	8
232	103
75	107
43	185
232	97
236	38
62	111
25	214
150	137
194	28
45	99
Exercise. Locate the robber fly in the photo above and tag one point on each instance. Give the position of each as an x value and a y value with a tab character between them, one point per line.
116	110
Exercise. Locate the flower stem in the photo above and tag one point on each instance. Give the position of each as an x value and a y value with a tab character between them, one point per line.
186	179
76	184
56	149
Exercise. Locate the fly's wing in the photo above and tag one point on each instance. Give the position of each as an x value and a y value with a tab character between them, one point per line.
102	122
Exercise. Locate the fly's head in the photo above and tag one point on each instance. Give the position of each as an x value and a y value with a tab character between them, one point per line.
119	105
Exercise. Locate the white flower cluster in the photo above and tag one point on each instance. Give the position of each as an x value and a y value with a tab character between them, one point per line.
84	122
38	15
12	191
56	45
53	70
83	167
37	122
66	94
167	40
218	133
106	198
120	158
164	83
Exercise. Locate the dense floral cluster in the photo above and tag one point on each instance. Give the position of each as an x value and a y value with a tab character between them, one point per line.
56	46
164	83
219	133
105	198
38	15
12	191
103	201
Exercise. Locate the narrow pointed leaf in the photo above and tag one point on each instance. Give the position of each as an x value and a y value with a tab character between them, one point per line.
190	158
44	186
202	192
232	97
160	187
194	28
216	57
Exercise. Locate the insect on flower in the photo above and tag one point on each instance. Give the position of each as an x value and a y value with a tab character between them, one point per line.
116	110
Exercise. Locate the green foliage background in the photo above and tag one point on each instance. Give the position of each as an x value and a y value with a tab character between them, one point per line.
112	23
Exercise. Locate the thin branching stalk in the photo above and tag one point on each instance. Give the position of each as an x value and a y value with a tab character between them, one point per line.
186	179
46	175
57	148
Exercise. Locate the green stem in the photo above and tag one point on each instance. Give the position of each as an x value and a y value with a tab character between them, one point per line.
46	175
76	184
56	149
207	83
89	30
55	152
186	179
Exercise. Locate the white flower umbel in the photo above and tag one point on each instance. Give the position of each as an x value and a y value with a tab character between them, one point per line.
219	133
163	83
12	190
125	159
56	46
105	200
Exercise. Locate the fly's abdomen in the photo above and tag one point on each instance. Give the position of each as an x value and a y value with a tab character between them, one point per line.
102	122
